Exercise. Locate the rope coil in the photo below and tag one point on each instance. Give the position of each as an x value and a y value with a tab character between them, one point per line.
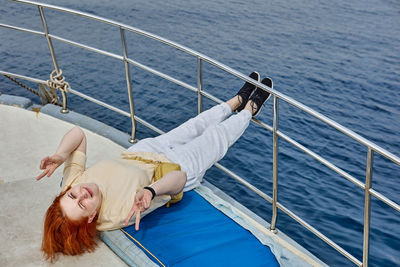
57	81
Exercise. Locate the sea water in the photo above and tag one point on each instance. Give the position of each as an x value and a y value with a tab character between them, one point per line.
340	58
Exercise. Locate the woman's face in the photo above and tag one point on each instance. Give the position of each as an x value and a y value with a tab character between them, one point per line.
81	200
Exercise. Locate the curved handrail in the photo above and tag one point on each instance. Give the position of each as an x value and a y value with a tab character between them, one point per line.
228	69
277	95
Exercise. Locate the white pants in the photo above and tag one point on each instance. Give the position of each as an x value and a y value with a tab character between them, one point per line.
200	142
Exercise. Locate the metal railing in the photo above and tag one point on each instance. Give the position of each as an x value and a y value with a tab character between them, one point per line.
277	96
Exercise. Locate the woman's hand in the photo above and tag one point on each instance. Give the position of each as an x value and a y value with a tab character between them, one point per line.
142	203
49	165
73	140
170	184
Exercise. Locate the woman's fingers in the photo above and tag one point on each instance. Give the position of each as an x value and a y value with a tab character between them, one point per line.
137	220
48	170
147	201
142	202
43	163
139	196
51	170
130	215
137	206
42	174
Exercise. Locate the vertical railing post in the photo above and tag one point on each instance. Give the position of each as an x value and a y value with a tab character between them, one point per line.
53	57
128	84
367	206
199	85
275	166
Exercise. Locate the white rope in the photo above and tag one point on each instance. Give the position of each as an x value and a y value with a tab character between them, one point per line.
57	81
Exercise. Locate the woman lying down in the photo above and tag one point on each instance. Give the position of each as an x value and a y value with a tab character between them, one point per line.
107	195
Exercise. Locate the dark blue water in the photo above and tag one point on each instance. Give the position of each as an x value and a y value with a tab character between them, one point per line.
340	58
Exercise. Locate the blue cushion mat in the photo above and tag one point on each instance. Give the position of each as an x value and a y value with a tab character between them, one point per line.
194	233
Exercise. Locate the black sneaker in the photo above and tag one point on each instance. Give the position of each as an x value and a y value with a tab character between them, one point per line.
260	96
246	90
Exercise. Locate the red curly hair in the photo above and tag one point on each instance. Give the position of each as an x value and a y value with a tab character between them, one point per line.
64	235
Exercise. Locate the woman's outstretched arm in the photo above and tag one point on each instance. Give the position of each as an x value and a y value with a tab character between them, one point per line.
73	140
171	183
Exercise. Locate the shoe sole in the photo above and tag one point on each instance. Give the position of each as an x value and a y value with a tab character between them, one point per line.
258	80
272	87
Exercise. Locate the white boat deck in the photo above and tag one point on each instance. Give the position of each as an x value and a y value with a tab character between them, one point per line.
25	138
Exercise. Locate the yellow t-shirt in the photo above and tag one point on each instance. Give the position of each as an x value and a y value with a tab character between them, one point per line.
118	180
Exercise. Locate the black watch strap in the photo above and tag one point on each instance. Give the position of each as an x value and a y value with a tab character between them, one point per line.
151	190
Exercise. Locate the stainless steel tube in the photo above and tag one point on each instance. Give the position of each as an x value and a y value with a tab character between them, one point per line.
224	67
53	57
322	160
46	33
110	107
385	199
128	84
275	166
199	85
320	235
27	78
367	206
21	29
89	48
244	182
